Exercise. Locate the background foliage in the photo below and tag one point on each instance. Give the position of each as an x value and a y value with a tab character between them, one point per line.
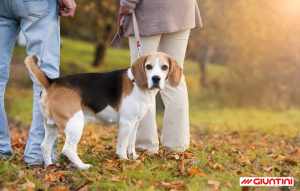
256	42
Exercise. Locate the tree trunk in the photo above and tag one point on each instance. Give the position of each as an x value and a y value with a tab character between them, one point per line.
99	55
102	46
203	67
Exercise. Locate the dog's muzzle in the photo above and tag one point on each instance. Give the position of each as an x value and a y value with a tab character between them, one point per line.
155	80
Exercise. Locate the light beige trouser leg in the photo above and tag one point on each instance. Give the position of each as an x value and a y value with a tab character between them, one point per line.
175	132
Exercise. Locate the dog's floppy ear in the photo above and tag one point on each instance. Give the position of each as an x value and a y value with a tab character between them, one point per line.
138	71
175	73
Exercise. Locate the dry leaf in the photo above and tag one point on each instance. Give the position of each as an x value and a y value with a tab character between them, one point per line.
139	167
201	174
243	159
60	188
227	184
16	181
169	166
213	182
98	178
28	184
279	157
192	171
295	174
90	179
20	173
268	169
182	168
84	188
14	165
133	180
139	183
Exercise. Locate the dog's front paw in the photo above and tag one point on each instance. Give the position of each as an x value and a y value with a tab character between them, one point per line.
47	165
135	157
123	157
84	166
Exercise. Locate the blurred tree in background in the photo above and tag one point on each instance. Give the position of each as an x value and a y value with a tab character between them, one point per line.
258	42
95	21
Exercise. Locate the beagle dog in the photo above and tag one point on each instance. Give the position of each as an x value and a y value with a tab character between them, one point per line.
123	97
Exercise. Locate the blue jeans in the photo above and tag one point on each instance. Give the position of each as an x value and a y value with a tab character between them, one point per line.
39	21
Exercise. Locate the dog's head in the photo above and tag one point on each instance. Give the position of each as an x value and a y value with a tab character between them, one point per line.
153	69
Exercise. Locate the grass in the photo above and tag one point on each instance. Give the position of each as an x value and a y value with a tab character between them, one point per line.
220	135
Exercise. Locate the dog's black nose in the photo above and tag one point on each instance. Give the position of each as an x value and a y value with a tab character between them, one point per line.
155	79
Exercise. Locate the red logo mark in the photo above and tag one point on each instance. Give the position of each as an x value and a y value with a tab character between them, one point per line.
246	181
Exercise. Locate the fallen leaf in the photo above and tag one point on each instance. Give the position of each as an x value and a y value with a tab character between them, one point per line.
182	168
291	162
268	169
139	183
133	180
295	174
20	173
16	181
90	179
227	184
192	171
60	188
28	184
75	179
243	159
201	174
279	157
111	169
213	182
139	167
101	148
84	188
169	166
14	165
98	178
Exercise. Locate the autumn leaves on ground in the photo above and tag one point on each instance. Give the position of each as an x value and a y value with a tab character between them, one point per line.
213	162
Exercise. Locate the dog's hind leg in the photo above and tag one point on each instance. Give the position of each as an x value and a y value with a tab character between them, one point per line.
131	143
73	132
51	132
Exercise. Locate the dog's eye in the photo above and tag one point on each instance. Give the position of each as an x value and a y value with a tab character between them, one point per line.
149	67
164	67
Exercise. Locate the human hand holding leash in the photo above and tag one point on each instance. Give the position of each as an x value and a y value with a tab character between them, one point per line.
70	5
124	10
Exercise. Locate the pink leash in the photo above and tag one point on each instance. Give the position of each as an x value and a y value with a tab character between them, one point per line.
136	32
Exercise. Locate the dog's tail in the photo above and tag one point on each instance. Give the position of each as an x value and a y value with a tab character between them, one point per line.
32	64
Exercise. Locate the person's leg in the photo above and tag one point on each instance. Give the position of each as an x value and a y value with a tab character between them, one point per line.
40	25
146	136
9	30
176	132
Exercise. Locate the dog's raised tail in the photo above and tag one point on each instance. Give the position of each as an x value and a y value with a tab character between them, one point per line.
32	64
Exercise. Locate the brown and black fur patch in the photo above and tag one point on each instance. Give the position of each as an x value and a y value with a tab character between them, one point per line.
97	90
62	103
